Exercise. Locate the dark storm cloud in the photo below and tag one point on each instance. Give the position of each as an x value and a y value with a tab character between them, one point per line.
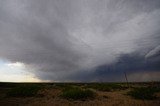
131	64
70	39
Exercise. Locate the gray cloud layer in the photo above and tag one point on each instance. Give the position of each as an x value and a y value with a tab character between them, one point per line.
61	38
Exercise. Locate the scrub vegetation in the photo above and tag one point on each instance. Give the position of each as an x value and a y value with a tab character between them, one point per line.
144	93
24	91
107	86
76	93
80	94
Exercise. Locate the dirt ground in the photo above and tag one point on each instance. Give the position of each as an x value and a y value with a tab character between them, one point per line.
49	97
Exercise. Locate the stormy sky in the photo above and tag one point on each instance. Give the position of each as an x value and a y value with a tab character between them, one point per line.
81	40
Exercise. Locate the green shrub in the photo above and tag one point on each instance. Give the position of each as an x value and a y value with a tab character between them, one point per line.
144	93
24	91
77	93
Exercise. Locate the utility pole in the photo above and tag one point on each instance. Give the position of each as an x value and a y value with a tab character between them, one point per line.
126	78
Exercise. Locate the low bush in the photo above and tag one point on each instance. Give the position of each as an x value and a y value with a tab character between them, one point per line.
24	91
144	93
76	93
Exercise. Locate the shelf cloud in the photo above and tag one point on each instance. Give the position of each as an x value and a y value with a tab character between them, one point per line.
81	40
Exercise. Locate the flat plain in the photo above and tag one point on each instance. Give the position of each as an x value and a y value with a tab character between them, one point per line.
80	94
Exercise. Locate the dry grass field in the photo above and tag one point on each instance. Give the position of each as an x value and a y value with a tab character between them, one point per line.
80	94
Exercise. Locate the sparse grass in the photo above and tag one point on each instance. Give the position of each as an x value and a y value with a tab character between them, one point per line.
144	93
106	87
76	93
24	91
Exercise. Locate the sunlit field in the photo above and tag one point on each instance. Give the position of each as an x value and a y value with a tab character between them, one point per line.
80	94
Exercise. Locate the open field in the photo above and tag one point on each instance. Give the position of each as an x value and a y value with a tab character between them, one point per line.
80	94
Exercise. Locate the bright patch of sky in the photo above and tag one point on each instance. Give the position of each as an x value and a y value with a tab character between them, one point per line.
15	72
